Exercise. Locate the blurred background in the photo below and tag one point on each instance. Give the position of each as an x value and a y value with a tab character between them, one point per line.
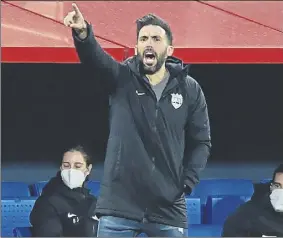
48	108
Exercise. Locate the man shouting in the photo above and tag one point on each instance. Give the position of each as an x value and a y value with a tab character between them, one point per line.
159	131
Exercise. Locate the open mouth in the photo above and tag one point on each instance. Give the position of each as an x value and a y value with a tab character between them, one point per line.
149	58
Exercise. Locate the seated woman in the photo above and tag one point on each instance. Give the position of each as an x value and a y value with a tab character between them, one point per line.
66	207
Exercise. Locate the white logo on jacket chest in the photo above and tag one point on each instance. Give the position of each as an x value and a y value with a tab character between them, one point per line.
176	100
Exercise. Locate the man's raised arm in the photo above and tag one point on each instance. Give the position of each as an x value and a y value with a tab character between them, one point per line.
89	50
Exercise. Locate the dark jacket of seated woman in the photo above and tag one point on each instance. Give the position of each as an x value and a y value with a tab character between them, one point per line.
262	215
66	208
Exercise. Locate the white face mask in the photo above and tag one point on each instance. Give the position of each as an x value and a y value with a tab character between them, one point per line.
276	198
73	178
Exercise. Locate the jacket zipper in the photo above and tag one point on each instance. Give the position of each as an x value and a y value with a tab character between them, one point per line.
162	96
144	220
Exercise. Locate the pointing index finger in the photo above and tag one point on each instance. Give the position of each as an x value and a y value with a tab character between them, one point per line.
76	9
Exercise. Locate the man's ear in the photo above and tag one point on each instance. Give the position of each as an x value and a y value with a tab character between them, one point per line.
136	49
170	50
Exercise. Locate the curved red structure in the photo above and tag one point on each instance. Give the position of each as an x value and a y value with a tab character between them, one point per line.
204	32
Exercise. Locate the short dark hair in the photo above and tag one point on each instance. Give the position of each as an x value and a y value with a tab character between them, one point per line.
151	19
279	169
80	149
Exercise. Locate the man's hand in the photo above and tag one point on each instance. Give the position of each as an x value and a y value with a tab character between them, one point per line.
187	190
75	20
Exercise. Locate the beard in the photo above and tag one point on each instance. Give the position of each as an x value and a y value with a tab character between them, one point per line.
148	69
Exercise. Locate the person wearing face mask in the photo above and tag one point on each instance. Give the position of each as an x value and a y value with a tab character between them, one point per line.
65	207
262	216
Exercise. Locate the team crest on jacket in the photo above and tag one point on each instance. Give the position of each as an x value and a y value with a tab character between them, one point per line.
176	100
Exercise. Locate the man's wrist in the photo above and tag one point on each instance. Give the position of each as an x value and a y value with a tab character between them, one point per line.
82	33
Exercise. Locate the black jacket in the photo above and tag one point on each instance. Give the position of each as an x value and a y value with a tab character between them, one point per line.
255	218
153	149
60	211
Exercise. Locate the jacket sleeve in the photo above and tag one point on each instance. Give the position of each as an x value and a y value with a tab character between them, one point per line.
197	139
239	223
96	59
45	221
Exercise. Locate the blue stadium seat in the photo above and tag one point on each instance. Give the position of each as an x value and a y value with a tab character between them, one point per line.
94	187
36	189
216	187
15	213
218	208
14	189
22	232
193	210
205	230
